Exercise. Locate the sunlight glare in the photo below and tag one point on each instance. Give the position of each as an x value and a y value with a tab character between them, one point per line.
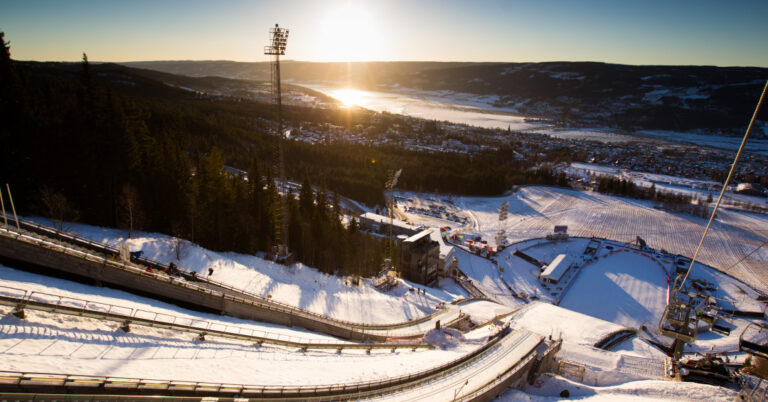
349	97
350	34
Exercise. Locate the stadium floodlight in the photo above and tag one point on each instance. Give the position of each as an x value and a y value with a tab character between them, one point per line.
278	42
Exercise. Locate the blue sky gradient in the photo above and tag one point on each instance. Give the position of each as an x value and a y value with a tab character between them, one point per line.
702	32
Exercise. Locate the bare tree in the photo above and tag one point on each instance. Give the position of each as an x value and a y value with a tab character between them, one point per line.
57	207
128	208
180	248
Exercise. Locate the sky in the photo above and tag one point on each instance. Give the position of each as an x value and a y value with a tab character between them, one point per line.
694	32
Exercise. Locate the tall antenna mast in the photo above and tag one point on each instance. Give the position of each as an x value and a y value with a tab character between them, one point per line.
278	42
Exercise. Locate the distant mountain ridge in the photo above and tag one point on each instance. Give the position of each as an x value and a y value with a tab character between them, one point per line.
703	99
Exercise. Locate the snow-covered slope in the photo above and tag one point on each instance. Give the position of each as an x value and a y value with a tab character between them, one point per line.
535	210
297	285
52	343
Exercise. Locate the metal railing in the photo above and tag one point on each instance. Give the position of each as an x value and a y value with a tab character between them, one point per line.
10	380
239	294
234	295
22	299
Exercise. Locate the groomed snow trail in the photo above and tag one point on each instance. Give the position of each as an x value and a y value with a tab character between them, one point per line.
535	210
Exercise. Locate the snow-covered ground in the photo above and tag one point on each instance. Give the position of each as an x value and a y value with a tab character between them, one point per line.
637	292
548	388
620	285
698	189
617	287
53	343
535	210
591	134
755	145
558	322
485	276
297	285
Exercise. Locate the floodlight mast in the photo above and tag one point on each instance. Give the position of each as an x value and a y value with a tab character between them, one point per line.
278	42
390	185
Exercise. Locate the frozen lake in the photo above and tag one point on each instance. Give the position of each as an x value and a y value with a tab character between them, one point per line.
478	110
457	108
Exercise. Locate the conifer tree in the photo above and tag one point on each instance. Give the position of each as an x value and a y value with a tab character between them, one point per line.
5	60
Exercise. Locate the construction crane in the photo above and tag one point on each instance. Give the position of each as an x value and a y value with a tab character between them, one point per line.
278	41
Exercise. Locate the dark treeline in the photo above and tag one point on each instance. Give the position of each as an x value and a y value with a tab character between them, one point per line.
669	200
107	146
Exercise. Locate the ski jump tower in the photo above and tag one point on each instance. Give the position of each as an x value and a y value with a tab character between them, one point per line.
278	41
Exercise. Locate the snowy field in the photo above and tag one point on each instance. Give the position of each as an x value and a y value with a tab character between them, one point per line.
635	289
534	211
620	287
484	275
697	189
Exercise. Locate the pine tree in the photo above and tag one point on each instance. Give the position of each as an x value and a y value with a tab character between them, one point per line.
256	206
306	197
213	192
85	72
5	60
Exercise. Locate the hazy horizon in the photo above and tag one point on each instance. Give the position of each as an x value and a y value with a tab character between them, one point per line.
653	32
285	60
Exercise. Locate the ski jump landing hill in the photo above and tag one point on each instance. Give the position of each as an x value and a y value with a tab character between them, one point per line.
85	259
509	358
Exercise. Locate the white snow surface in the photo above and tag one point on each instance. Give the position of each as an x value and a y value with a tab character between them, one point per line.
436	105
296	285
623	288
549	387
633	285
550	320
52	343
700	189
534	210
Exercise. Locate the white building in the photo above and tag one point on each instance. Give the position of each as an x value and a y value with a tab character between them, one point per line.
556	269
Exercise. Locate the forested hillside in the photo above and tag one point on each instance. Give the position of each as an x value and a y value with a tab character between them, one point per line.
109	145
701	99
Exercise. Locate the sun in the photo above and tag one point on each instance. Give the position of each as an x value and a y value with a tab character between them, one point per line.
349	97
350	33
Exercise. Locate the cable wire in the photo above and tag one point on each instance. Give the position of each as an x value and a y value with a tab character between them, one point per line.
750	253
727	181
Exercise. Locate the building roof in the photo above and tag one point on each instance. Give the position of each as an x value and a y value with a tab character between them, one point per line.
556	268
418	236
385	220
446	251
